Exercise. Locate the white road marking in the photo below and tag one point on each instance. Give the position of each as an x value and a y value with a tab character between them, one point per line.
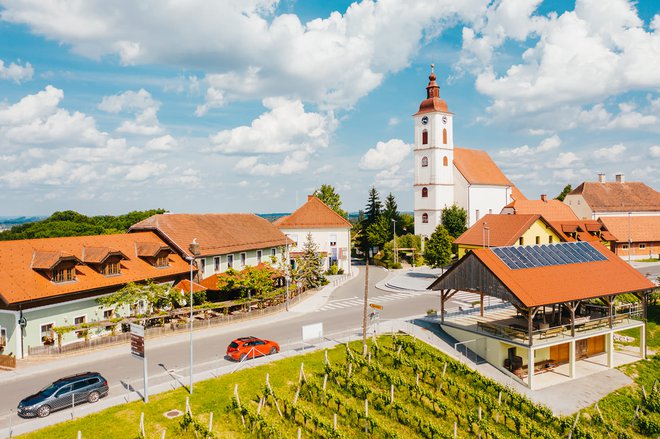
355	301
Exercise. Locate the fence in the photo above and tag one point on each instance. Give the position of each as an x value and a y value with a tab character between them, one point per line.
8	361
168	328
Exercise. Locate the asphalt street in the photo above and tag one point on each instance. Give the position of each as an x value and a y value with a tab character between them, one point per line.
168	357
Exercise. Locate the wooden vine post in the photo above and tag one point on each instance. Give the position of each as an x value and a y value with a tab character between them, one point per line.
277	406
238	400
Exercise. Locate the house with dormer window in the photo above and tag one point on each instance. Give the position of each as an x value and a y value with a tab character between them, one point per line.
55	282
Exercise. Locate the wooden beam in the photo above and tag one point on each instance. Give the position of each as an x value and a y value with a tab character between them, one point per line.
531	312
481	305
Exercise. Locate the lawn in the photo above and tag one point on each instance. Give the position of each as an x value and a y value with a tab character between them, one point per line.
410	389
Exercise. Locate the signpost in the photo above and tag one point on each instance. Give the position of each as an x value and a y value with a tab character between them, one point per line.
312	332
375	314
376	306
137	351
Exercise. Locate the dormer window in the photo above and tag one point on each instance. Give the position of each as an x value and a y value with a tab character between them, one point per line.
162	260
104	260
111	268
157	254
64	274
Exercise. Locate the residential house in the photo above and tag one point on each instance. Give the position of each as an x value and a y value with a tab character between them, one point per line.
330	231
636	237
558	309
225	240
508	230
446	175
56	282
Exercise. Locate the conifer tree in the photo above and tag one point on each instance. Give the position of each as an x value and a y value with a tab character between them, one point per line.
310	269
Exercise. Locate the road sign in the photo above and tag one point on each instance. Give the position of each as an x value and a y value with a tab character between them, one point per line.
137	341
376	306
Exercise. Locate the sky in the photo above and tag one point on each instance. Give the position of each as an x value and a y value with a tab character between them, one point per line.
249	105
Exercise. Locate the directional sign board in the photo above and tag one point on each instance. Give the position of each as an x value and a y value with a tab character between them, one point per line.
376	306
137	341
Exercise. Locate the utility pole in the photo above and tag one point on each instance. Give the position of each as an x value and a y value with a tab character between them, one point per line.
366	299
396	255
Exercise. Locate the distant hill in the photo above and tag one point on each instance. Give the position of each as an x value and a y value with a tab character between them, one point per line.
7	222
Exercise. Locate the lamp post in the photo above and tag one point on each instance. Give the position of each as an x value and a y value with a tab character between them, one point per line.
287	277
366	298
394	239
194	251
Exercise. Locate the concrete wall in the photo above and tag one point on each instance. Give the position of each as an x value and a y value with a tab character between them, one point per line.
340	252
485	200
251	259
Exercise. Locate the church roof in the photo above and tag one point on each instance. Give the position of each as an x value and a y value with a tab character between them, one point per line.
433	102
477	167
314	214
618	197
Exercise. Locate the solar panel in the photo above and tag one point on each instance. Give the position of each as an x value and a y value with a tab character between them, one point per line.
548	255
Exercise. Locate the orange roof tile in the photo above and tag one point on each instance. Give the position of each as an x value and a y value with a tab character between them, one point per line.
184	286
96	255
642	228
150	249
46	260
216	233
477	167
619	197
20	282
314	214
504	230
516	194
552	210
557	283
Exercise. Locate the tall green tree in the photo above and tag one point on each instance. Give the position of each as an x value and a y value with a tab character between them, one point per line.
330	197
437	251
567	189
454	219
379	232
391	212
373	208
407	224
310	270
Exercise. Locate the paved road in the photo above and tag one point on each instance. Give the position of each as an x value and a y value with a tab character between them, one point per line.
172	353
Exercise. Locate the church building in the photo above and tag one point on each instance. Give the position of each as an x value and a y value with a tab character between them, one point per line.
445	175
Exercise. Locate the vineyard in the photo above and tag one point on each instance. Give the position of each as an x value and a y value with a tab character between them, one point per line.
402	388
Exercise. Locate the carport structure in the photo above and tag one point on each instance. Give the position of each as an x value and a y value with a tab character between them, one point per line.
559	305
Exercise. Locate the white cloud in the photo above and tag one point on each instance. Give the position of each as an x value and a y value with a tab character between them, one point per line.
611	154
139	103
144	171
393	121
547	144
248	50
385	154
564	160
655	151
292	163
162	143
16	72
390	178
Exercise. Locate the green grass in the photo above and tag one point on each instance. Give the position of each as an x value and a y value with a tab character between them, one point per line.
425	408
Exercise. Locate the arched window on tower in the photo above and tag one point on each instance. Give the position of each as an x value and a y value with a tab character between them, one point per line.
425	192
425	218
425	162
425	137
444	136
445	161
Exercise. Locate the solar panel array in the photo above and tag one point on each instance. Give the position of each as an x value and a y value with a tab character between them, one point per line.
548	254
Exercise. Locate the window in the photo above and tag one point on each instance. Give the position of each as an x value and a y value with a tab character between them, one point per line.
425	162
550	239
202	266
3	337
108	313
259	252
273	252
425	218
80	384
425	192
521	241
243	260
477	213
333	239
64	274
445	161
47	333
642	246
230	261
79	320
162	260
110	268
624	246
216	264
444	136
425	137
538	239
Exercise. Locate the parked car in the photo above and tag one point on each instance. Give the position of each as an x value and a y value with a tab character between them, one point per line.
250	347
75	389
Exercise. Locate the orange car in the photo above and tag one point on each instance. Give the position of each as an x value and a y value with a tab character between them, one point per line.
250	347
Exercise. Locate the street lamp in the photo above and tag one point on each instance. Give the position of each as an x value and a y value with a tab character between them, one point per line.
394	239
287	277
194	251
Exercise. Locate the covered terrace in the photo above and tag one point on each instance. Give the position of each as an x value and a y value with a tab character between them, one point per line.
559	305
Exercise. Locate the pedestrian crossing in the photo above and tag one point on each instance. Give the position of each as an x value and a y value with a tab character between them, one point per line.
359	301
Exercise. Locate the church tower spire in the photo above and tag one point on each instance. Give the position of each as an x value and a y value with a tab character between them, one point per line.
433	159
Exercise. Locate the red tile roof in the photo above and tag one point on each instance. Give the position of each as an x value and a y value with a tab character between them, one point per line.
504	230
558	283
477	167
642	228
184	286
216	233
314	214
97	255
20	281
46	260
619	197
552	210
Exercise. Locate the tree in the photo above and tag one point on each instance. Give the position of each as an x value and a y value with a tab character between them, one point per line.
310	271
438	248
158	296
373	209
391	212
567	189
327	194
407	224
379	232
454	219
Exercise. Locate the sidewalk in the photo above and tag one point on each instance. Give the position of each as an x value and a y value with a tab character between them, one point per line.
409	279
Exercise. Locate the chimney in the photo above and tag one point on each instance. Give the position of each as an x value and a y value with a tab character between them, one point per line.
601	177
309	197
620	178
544	198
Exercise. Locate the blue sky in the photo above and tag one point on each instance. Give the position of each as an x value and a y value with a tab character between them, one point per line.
247	106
